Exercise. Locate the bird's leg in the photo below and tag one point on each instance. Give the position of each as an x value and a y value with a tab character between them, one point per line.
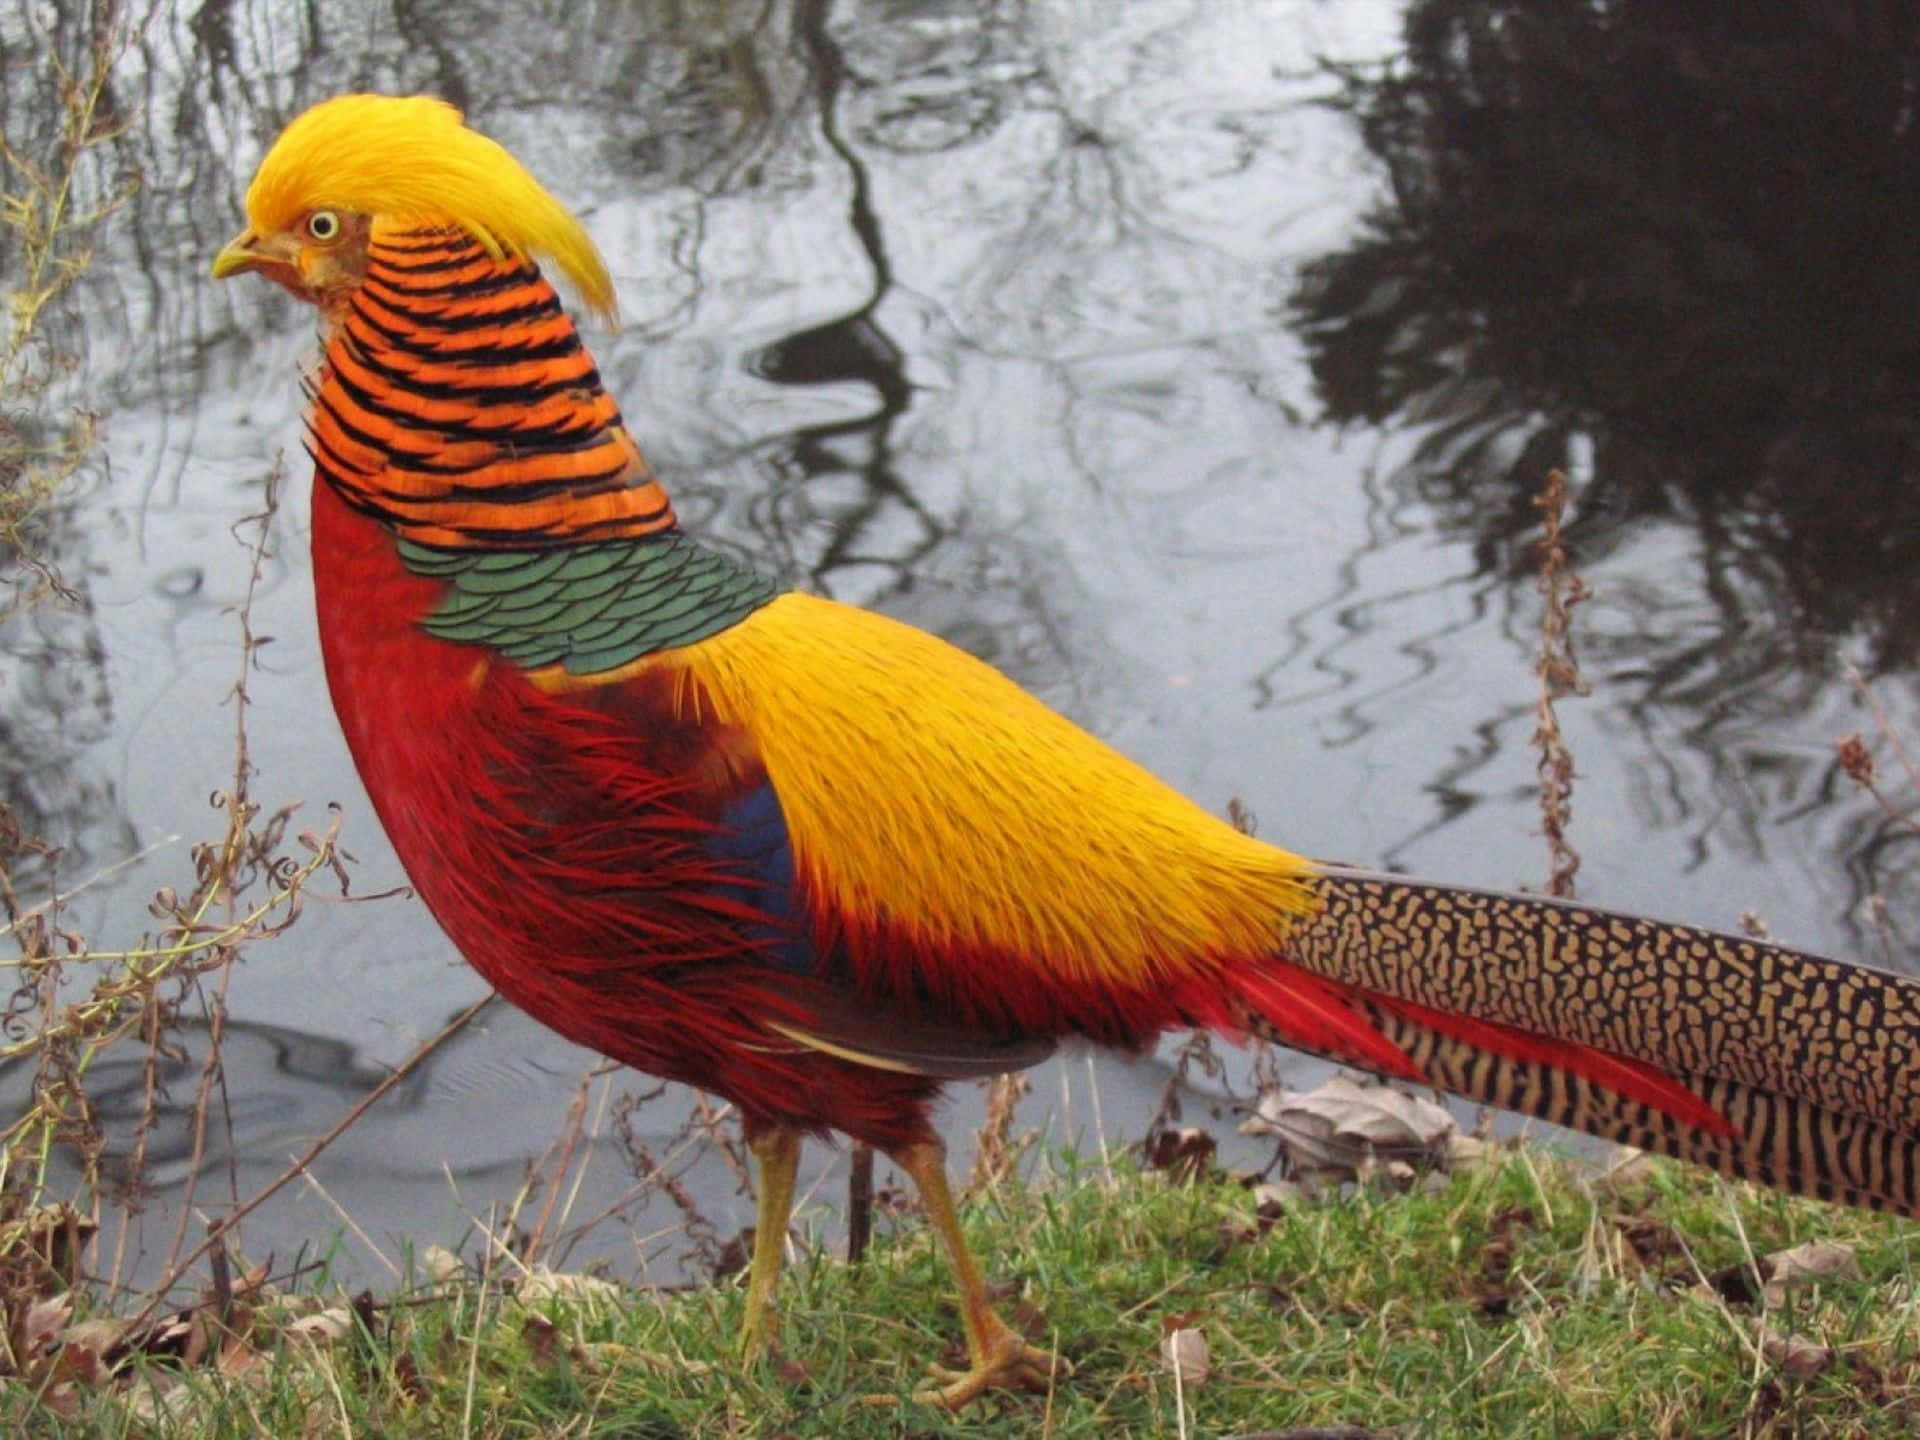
778	1151
998	1358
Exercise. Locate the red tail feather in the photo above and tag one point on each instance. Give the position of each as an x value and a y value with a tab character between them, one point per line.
1631	1078
1311	1013
1305	1010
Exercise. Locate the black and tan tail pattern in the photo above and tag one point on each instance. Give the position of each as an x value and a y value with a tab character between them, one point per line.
1814	1065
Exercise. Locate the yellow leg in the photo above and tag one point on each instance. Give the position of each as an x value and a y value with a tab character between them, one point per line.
778	1151
998	1359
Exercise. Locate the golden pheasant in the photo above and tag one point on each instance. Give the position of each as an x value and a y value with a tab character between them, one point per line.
818	862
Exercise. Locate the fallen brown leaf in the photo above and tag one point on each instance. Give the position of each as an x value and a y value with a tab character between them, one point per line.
408	1380
1796	1354
1625	1169
588	1292
443	1267
40	1326
85	1349
543	1341
1184	1352
1782	1271
1816	1260
1183	1152
1344	1129
323	1327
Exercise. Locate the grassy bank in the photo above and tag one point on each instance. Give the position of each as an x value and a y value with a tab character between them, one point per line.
1523	1297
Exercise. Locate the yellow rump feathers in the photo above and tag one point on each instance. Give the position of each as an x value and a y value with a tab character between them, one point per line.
991	822
413	159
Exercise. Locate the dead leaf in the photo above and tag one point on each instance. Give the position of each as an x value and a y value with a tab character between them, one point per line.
49	1238
1782	1271
41	1326
1273	1198
1344	1129
1816	1260
408	1380
1184	1351
323	1327
239	1357
1796	1354
1469	1153
170	1336
443	1267
589	1292
84	1349
543	1343
253	1285
1184	1152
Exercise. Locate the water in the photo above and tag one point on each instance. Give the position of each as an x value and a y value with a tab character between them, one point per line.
1191	361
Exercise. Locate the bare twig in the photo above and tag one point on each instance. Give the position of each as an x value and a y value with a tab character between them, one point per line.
701	1130
240	812
1195	1052
313	1152
1559	674
571	1130
1884	725
995	1147
859	1203
1857	762
48	207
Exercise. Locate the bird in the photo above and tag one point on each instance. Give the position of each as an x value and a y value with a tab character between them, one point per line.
821	863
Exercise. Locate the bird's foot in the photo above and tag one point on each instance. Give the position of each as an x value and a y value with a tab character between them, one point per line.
1008	1362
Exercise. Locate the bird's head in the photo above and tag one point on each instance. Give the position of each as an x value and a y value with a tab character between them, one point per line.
357	162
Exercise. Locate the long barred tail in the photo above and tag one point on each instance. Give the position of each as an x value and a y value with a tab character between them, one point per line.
1762	1062
1783	1141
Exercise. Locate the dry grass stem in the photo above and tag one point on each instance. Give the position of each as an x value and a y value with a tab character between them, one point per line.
1559	673
995	1146
1856	760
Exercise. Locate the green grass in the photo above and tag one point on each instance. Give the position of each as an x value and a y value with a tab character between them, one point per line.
1519	1300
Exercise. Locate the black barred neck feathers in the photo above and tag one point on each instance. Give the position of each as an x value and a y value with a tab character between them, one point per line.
457	405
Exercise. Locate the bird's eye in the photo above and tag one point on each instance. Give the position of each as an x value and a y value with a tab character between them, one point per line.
323	225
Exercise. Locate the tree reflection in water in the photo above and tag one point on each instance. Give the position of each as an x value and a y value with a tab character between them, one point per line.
1681	236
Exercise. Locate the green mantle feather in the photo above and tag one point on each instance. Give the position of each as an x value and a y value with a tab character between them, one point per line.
589	608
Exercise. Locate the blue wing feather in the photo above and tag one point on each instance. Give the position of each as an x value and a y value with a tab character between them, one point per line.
753	841
754	844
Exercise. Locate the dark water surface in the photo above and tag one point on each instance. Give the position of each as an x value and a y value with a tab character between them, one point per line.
1191	360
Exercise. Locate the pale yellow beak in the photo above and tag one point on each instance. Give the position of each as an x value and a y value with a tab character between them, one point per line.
243	252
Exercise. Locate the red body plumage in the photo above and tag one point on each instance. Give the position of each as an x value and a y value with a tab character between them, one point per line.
553	839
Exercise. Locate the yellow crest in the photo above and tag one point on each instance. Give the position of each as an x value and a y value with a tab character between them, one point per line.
413	158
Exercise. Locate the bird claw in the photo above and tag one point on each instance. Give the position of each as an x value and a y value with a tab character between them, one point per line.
1011	1364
